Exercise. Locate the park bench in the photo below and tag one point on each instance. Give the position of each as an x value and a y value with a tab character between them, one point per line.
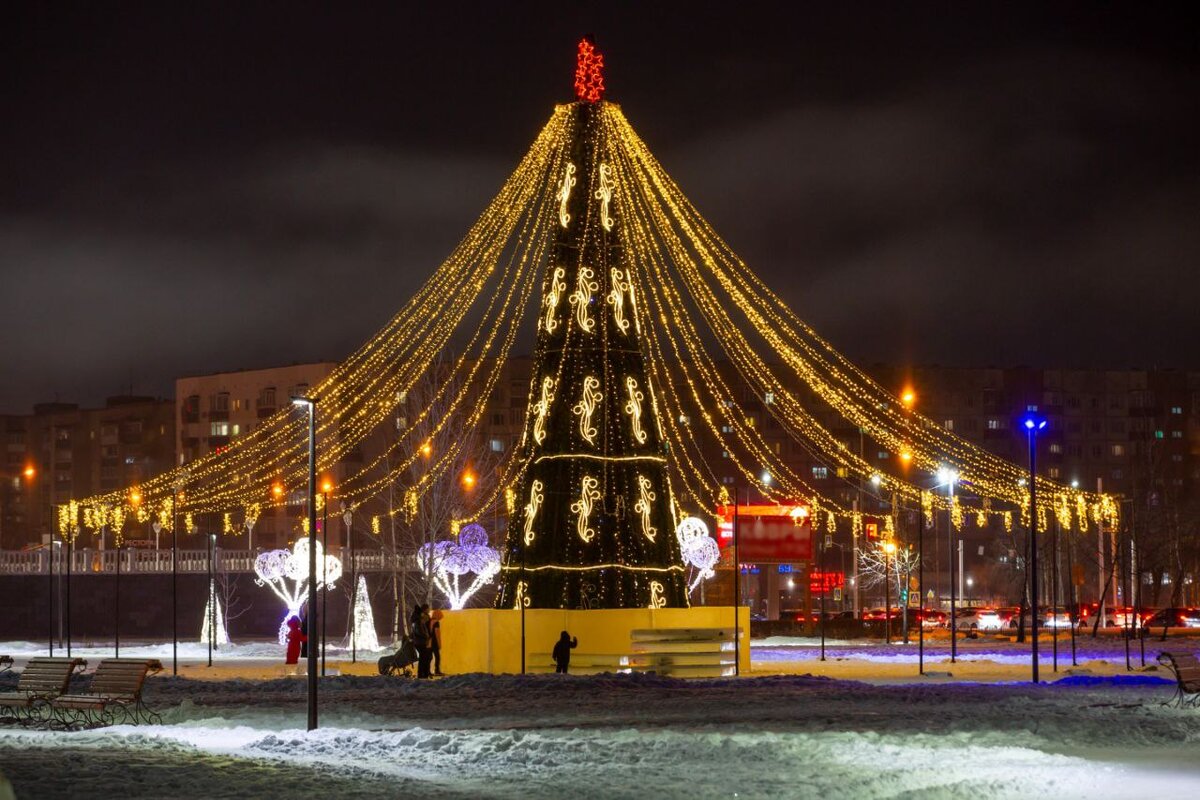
1187	676
42	680
114	697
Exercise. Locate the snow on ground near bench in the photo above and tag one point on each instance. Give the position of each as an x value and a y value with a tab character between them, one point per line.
774	649
188	651
630	736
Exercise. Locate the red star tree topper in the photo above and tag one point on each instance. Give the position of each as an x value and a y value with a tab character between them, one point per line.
589	72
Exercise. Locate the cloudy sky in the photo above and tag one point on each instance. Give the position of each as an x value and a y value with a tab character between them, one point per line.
246	185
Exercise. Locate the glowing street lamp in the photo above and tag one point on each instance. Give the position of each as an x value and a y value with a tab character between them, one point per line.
469	480
1033	425
908	397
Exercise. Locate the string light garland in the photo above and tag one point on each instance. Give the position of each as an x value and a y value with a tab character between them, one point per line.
589	207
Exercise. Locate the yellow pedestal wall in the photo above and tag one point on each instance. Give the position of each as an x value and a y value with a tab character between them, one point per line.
489	640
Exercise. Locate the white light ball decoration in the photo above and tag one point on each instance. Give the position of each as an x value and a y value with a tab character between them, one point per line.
698	549
447	562
276	568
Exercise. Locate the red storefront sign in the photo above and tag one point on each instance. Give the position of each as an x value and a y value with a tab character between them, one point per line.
825	582
767	533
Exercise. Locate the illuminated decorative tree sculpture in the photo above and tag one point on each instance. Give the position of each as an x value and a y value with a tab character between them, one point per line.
218	622
286	573
593	514
363	632
448	562
700	551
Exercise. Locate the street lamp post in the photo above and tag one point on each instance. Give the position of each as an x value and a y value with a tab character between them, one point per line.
212	596
326	486
949	477
117	600
348	520
1033	425
921	588
311	403
888	549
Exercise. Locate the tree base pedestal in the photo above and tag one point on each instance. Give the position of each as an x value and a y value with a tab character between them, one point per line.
681	642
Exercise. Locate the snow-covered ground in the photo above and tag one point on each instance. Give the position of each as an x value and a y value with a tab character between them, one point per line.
626	736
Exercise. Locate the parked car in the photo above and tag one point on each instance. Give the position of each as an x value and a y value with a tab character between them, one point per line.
930	617
982	619
1174	618
1047	619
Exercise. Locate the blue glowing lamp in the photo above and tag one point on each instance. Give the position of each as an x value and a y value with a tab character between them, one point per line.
1033	423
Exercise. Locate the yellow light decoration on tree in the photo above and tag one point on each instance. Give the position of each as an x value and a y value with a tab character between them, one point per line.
604	195
542	409
616	298
634	409
581	298
582	508
564	195
586	408
645	506
556	288
531	509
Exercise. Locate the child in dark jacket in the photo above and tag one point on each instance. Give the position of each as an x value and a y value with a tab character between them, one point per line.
562	652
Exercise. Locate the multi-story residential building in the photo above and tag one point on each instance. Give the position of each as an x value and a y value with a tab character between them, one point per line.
216	410
62	451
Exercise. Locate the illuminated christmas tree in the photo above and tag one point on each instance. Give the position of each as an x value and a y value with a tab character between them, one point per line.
217	621
593	517
364	634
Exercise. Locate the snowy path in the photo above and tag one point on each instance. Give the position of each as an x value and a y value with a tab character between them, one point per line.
628	736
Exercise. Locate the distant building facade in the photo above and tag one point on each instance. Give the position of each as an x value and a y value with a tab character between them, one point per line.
76	452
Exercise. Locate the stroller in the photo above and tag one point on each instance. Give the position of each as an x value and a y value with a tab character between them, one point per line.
400	662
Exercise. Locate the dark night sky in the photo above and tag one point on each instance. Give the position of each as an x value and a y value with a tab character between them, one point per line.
246	185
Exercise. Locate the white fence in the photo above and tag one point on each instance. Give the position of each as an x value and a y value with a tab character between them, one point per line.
137	561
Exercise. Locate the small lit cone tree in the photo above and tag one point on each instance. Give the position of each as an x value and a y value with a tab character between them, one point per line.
700	551
211	622
286	573
593	516
363	633
450	562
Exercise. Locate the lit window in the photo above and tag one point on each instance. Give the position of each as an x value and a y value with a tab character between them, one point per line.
882	455
235	429
1176	409
820	473
841	472
948	424
1054	473
218	429
769	398
1118	450
995	424
497	445
1031	408
1176	434
1056	448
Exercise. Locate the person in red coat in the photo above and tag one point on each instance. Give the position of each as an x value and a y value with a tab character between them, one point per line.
294	637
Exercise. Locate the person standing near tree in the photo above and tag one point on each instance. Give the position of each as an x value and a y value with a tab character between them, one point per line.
562	652
421	639
435	640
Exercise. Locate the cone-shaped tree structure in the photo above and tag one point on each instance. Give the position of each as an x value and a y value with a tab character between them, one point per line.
593	522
